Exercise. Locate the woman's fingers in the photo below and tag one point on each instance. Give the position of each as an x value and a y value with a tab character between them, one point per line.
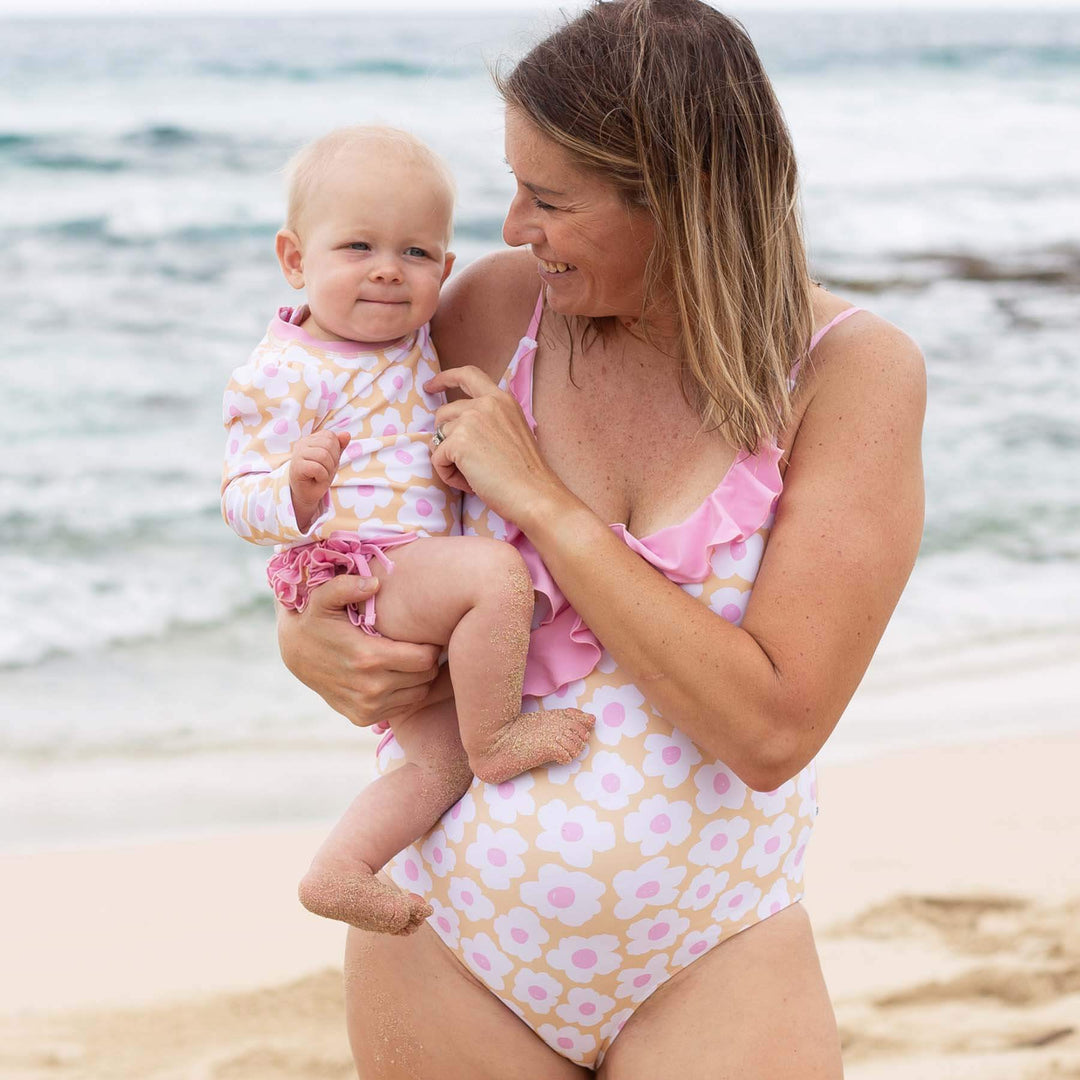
468	379
338	593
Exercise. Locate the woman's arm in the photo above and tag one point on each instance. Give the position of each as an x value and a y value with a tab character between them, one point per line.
763	696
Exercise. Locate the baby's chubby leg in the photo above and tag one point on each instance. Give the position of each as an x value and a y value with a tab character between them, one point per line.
475	596
387	816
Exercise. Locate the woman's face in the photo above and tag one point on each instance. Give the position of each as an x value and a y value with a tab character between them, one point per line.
590	246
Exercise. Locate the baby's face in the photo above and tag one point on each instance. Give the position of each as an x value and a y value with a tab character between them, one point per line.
374	250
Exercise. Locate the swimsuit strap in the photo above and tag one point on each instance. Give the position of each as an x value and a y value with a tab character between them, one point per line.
835	321
534	326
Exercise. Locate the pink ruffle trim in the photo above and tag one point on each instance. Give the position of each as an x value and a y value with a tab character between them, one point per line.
294	572
564	649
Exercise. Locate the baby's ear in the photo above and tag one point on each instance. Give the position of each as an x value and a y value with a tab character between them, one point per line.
290	256
448	265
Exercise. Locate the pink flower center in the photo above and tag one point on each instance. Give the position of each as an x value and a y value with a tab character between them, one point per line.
610	782
481	961
650	888
561	896
444	924
412	871
718	841
519	935
703	891
642	980
731	612
281	427
497	857
584	958
423	507
537	993
614	714
403	456
671	754
660	824
659	930
506	789
771	845
565	1042
467	898
572	832
698	947
721	783
436	855
586	1008
399	382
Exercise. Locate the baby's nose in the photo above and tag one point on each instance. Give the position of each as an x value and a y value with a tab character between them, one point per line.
386	270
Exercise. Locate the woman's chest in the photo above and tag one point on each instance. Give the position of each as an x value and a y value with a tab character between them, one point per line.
619	432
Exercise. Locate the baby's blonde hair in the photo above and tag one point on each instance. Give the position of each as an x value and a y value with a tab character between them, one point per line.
313	162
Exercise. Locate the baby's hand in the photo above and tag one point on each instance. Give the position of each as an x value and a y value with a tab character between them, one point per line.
312	468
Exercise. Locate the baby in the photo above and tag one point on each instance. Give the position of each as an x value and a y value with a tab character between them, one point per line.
328	456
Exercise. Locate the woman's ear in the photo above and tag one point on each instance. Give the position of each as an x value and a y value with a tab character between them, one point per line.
290	256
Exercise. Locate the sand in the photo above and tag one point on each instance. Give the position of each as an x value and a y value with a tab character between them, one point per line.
944	885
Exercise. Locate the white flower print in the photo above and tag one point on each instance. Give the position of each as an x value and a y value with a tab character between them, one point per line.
423	420
583	958
771	841
694	944
386	424
638	983
718	789
609	781
772	802
719	842
730	604
654	882
274	375
395	383
704	889
496	854
671	757
521	933
575	834
408	872
283	428
455	819
389	751
357	457
615	1025
584	1006
694	589
657	823
437	855
363	499
404	460
776	899
618	712
568	1041
485	959
648	935
806	785
739	558
733	904
795	863
565	697
537	989
510	798
445	922
496	525
606	664
466	896
571	896
325	389
424	509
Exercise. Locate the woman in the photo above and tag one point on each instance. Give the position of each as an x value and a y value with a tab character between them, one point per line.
638	909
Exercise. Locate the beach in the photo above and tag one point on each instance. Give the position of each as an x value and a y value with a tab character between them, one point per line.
943	884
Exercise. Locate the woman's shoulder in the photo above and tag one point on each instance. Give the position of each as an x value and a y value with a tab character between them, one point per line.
485	310
862	364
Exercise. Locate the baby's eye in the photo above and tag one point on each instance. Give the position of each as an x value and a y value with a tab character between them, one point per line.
416	252
359	245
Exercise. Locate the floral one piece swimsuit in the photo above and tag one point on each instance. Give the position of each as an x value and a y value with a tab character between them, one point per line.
574	891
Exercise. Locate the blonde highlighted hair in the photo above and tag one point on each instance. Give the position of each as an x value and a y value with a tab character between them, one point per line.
668	101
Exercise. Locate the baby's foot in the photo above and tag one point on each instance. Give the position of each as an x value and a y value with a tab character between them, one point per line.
363	900
550	737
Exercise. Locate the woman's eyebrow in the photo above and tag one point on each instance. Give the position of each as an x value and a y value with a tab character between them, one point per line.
536	189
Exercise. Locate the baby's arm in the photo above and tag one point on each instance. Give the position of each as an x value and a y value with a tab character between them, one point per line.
268	424
312	468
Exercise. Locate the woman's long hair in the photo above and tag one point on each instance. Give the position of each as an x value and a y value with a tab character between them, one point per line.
668	101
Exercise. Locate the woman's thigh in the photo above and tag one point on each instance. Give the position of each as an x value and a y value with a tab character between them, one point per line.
415	1012
755	1008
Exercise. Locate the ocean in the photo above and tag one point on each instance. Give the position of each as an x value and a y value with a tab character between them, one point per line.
140	190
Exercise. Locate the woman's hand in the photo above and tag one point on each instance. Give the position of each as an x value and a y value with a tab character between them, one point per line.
367	679
488	448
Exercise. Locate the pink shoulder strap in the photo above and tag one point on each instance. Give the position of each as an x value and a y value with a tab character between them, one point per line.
845	314
535	324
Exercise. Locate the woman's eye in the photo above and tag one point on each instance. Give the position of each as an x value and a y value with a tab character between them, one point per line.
541	205
416	253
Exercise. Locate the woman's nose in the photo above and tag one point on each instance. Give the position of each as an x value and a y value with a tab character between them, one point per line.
520	226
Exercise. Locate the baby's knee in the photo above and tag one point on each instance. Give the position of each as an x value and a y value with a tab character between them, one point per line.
509	579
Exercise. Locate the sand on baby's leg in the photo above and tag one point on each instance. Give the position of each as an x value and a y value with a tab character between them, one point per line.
475	596
387	816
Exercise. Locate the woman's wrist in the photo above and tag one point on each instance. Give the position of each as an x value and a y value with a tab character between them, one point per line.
558	518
